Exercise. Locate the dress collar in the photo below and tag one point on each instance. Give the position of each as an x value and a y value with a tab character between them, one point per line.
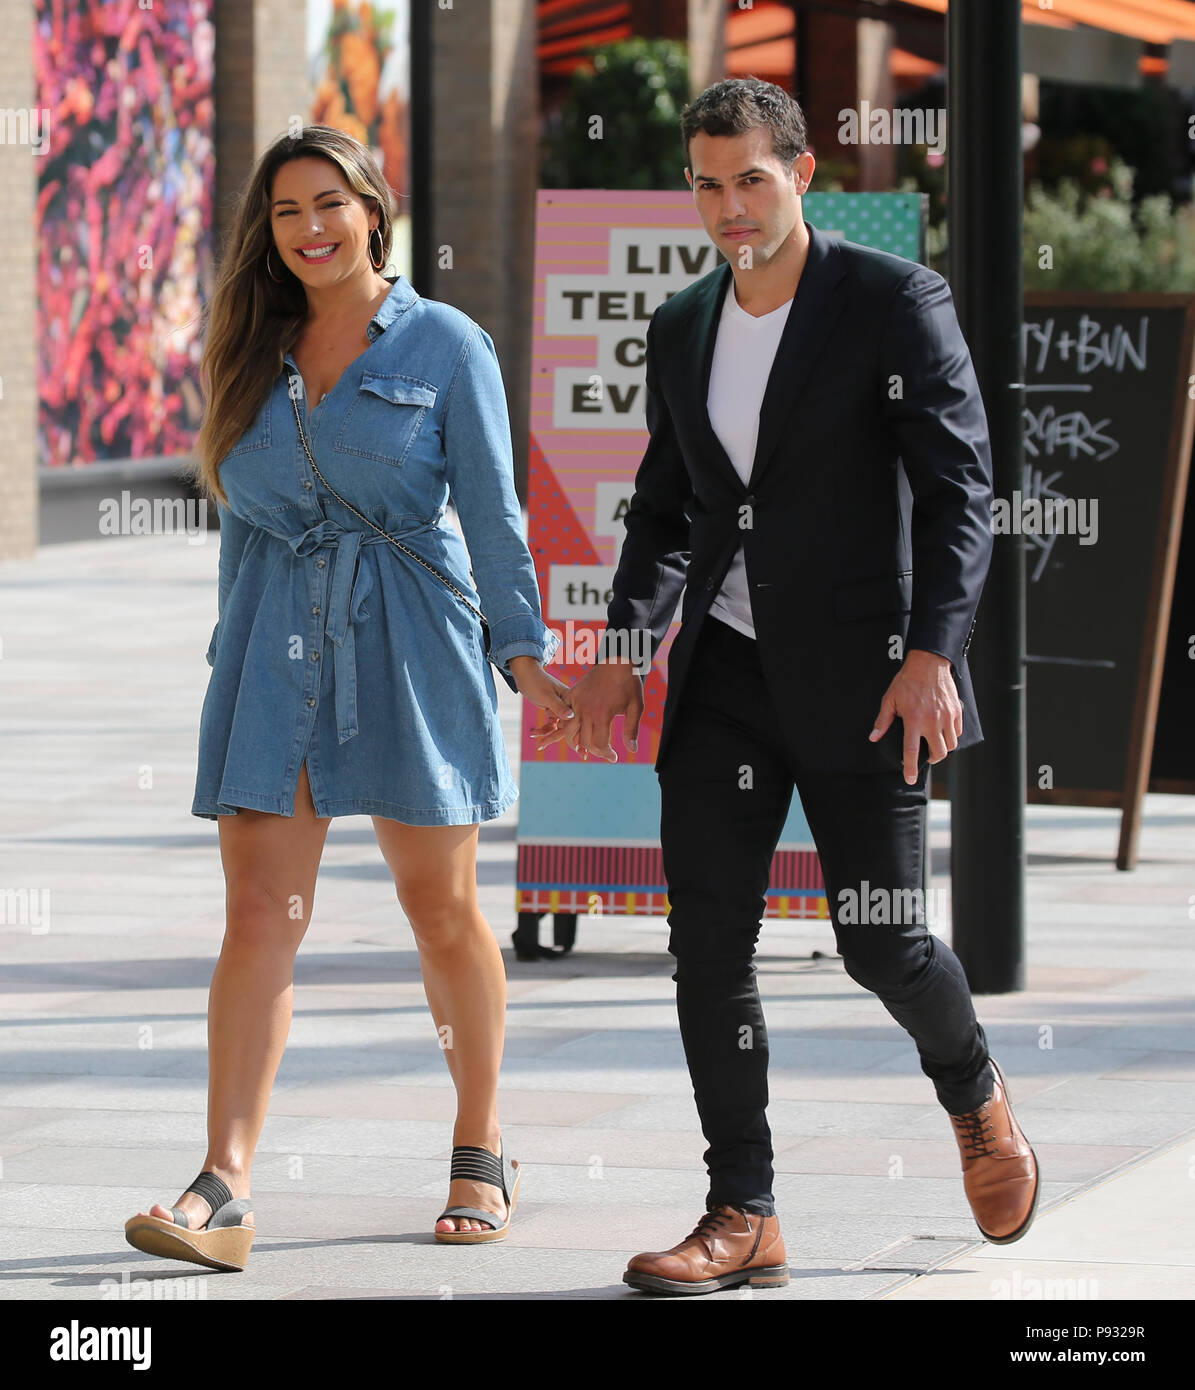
402	295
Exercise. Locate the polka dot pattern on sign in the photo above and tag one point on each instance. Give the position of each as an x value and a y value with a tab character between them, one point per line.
887	221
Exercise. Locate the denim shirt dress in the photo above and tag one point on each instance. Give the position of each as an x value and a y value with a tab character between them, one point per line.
331	646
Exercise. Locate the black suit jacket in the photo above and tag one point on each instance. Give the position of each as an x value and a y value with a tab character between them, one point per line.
867	513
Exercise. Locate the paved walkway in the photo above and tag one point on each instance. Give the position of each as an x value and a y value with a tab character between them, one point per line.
103	1068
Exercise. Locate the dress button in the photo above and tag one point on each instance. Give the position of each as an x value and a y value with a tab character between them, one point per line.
307	484
315	609
310	701
319	564
315	656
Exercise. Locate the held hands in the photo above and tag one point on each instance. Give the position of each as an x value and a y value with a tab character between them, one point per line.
924	697
608	689
543	690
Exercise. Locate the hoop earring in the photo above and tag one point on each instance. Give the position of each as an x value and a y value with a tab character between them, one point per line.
277	279
381	261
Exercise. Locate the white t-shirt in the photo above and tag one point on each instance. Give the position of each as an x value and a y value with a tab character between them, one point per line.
744	350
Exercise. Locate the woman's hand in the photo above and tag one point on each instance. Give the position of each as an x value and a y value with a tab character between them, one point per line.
543	690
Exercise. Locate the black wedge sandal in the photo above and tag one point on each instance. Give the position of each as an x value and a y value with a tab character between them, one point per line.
221	1243
480	1165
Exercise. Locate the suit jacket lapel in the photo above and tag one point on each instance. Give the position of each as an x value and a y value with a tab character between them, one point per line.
814	311
816	308
701	329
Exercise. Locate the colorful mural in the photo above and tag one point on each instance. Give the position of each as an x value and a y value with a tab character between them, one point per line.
360	64
124	226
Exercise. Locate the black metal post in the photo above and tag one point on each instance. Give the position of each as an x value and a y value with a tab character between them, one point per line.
987	852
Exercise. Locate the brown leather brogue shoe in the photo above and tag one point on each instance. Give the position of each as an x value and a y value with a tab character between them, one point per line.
999	1167
726	1247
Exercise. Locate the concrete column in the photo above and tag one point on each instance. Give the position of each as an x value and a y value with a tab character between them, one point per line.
707	43
260	84
873	39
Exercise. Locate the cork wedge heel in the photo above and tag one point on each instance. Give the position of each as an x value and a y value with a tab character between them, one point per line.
223	1242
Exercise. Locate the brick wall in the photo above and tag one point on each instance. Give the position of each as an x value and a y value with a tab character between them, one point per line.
485	171
261	82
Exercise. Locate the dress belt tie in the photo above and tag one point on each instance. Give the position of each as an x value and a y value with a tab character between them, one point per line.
351	586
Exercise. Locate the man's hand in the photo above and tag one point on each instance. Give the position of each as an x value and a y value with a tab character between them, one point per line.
923	695
610	688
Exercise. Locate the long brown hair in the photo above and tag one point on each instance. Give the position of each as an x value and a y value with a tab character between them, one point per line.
253	321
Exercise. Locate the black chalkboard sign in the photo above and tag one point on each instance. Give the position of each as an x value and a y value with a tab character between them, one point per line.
1173	766
1108	383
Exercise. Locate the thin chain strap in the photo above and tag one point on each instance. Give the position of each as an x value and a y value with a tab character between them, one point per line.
393	541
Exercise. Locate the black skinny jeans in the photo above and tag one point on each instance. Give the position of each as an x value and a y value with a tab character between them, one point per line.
718	838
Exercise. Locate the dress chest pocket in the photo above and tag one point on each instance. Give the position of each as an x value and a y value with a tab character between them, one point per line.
385	417
257	436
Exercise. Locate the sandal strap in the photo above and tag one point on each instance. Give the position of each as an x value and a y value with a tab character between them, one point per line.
478	1165
214	1190
491	1218
230	1213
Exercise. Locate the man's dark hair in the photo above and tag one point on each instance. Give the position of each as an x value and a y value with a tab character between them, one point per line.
740	104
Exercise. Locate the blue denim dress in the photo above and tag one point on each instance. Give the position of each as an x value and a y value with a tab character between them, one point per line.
334	647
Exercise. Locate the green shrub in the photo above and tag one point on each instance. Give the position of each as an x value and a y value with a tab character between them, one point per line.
1100	241
1098	237
637	88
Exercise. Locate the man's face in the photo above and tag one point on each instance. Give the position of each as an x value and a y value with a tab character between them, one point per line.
744	194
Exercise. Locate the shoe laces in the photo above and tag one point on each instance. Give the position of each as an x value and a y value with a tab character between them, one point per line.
975	1129
709	1224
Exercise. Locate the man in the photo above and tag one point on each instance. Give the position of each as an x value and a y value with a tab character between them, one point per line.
829	597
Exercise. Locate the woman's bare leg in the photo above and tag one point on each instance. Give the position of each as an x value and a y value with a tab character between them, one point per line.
270	866
435	874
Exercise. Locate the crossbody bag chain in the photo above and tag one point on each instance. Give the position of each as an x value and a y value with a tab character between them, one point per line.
393	541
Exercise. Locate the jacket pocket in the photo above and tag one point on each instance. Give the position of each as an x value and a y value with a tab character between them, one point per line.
873	598
385	417
210	658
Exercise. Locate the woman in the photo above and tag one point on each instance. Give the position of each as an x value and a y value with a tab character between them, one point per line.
347	678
